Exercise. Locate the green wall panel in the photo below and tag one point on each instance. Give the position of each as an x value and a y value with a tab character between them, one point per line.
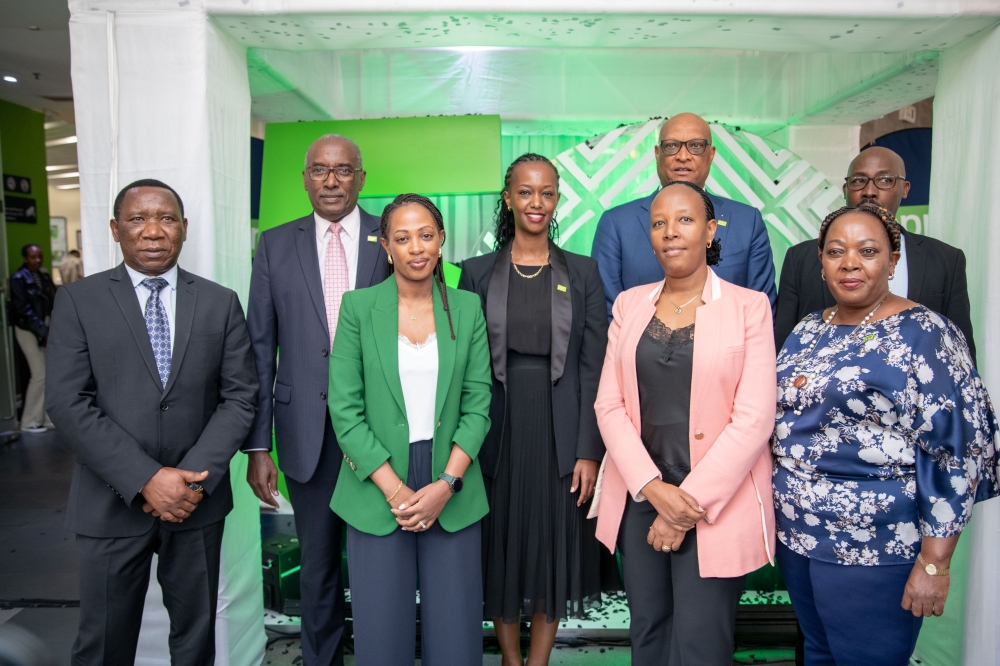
22	138
431	156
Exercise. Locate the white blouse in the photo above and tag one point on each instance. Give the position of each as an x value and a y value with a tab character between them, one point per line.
418	373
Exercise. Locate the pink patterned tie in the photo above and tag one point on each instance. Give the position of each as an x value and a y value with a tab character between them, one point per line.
335	279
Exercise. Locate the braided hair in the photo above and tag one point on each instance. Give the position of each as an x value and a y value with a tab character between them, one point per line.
399	202
503	216
887	219
713	253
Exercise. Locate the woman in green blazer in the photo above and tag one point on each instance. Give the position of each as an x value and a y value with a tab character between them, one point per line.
409	400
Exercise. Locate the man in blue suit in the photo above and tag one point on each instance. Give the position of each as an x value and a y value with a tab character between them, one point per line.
300	272
622	247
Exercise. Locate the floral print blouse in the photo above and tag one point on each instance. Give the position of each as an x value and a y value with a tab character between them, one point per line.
891	437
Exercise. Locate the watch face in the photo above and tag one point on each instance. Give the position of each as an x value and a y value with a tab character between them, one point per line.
456	485
931	569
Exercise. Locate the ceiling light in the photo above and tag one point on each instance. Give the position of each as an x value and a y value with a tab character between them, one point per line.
68	187
60	142
60	167
71	174
9	79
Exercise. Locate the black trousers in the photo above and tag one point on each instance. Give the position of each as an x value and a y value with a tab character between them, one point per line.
114	577
320	533
678	617
384	581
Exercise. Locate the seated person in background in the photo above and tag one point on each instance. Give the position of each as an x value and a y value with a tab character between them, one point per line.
929	272
621	244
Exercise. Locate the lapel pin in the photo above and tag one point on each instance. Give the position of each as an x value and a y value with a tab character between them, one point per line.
373	239
721	223
561	287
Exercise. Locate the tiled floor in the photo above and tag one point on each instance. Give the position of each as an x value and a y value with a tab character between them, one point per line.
38	562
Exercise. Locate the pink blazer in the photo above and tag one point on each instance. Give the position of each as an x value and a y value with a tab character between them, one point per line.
733	394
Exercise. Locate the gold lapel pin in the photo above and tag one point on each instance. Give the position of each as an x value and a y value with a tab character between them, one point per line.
560	287
373	239
721	223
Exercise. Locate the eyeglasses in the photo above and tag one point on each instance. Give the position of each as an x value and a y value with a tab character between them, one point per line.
321	173
883	182
694	146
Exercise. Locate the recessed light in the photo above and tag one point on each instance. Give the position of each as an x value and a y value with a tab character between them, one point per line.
32	27
61	142
9	79
68	187
60	167
71	174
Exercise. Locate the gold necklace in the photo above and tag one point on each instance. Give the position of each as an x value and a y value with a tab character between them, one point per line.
420	311
536	273
677	308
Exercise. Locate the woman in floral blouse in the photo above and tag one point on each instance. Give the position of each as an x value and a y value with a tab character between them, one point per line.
885	438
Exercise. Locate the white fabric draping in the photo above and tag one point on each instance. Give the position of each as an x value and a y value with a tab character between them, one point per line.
183	116
965	211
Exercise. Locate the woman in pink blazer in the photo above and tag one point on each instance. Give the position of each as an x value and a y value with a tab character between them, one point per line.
685	407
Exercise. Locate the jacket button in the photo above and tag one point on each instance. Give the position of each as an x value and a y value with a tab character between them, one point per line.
322	396
698	434
325	352
164	406
439	424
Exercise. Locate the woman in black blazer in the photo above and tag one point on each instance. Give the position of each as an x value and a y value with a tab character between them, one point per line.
547	325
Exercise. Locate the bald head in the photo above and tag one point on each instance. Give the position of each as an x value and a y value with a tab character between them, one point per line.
684	164
875	164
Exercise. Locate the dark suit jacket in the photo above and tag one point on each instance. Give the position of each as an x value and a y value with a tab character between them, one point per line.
626	257
286	311
936	280
579	341
103	393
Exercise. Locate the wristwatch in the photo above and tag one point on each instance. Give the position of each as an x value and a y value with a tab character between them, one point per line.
454	482
931	569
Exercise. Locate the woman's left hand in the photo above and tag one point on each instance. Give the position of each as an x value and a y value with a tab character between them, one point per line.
924	595
584	479
424	507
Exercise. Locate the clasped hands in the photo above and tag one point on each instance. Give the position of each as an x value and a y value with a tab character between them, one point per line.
677	512
167	494
417	511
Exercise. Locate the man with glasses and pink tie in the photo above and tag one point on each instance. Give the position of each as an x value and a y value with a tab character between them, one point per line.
300	273
622	247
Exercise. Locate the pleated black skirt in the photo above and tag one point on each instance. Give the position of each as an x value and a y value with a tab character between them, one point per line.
540	555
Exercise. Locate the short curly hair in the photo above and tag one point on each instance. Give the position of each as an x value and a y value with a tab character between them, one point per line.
887	219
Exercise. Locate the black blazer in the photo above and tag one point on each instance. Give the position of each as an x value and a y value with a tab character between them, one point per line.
286	310
579	342
936	280
103	393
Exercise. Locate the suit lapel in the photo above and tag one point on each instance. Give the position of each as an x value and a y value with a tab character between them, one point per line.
707	323
305	245
562	311
642	220
446	350
124	294
916	258
187	298
368	251
385	322
496	312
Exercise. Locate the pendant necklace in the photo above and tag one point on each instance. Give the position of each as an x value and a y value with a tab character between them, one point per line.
677	308
413	317
802	379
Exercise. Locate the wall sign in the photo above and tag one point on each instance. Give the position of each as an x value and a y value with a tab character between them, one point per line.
12	183
21	209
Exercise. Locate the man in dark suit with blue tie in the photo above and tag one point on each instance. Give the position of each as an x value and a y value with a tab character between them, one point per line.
622	247
300	273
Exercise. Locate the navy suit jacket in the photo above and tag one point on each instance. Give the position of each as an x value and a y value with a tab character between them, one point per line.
286	311
626	258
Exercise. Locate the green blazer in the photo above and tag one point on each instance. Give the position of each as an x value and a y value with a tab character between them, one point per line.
369	415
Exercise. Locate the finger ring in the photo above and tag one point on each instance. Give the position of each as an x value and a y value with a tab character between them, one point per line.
665	549
422	525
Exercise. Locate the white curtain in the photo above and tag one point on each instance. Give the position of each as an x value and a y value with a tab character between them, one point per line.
182	116
965	212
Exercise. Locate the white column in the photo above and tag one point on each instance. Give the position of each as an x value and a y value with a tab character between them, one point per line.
182	116
965	212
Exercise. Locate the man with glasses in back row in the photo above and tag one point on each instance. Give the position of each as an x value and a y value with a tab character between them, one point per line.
929	272
624	251
300	272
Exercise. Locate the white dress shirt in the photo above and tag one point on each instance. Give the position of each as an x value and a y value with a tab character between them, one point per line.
168	295
900	282
351	224
418	375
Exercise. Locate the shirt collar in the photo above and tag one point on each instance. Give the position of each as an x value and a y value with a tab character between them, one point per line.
137	277
351	224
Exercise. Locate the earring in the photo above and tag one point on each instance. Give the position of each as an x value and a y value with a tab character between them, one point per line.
390	260
709	246
822	277
891	275
439	254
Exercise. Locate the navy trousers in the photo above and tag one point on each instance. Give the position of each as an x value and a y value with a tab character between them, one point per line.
850	615
384	580
320	533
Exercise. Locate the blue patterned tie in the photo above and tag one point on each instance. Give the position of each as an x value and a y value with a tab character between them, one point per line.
158	327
